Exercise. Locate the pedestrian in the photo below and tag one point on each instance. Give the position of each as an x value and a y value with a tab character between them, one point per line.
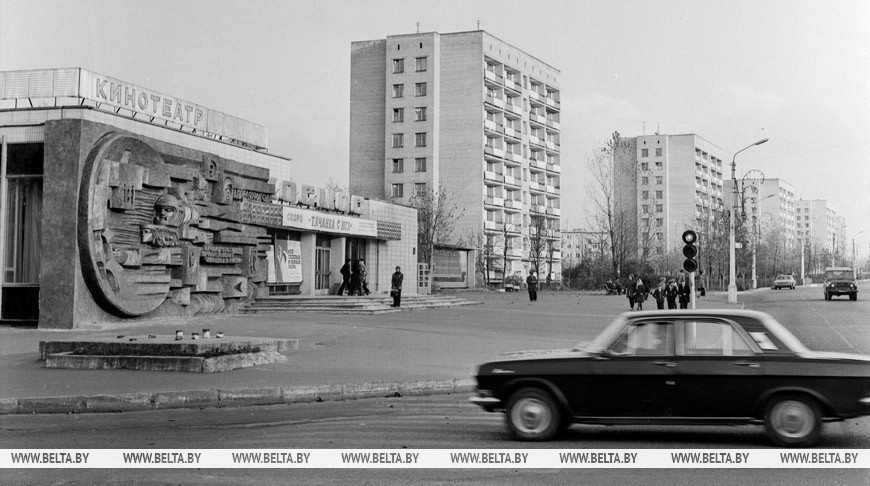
658	294
630	288
396	287
640	292
354	278
683	292
345	277
532	287
363	277
671	294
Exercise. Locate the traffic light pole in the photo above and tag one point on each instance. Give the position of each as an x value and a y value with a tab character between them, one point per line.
692	296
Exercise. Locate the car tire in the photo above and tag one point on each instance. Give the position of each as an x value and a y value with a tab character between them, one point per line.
533	415
793	421
827	296
853	296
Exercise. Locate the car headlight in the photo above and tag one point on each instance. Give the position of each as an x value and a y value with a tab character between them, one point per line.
852	285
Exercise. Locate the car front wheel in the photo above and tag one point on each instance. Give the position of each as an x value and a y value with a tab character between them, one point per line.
793	421
532	414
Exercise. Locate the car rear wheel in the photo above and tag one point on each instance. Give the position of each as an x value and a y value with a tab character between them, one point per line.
532	414
793	420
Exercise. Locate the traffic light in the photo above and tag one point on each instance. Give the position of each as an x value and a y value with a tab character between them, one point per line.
690	251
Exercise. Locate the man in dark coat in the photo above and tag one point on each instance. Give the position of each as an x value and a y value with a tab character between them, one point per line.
630	289
396	287
671	294
345	277
659	294
532	286
684	292
354	279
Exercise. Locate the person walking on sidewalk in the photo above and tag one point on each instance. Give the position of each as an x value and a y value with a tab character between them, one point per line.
658	294
396	287
355	284
639	293
345	277
630	288
683	291
532	287
363	277
671	294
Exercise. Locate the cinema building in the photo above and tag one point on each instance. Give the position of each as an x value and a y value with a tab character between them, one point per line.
118	202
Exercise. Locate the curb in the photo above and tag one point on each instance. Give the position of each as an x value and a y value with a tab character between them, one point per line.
230	397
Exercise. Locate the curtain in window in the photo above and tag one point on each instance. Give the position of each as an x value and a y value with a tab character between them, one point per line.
24	233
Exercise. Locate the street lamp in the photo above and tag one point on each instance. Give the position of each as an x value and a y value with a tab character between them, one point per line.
854	267
732	270
755	240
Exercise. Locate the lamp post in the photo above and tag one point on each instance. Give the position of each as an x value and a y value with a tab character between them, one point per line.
854	267
755	240
732	270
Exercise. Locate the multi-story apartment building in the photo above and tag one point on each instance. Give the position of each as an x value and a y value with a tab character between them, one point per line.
820	232
472	114
769	205
672	183
578	244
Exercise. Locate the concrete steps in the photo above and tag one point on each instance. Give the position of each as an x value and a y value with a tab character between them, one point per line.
334	304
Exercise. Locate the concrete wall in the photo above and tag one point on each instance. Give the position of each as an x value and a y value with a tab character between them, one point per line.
392	253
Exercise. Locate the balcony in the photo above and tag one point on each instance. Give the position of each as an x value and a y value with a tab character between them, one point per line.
518	158
493	201
554	211
554	168
490	75
551	145
535	186
492	176
515	109
490	125
552	189
539	119
511	84
553	103
537	163
557	254
498	102
514	252
492	226
511	180
554	124
513	204
511	132
534	95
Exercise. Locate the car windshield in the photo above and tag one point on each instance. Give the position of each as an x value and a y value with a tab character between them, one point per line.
834	274
598	344
783	277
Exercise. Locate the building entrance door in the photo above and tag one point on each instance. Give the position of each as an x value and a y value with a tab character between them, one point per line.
21	232
322	256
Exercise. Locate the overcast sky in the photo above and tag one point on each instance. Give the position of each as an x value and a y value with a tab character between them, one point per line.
733	72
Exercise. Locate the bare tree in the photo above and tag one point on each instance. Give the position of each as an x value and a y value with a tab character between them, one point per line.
436	215
608	213
537	242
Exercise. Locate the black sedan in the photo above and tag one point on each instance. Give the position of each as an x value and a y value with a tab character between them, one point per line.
721	367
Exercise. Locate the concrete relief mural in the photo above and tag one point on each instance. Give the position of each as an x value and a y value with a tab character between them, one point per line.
166	234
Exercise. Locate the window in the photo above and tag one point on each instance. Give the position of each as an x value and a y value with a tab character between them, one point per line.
398	115
644	152
420	139
398	90
713	339
644	195
659	180
644	180
644	166
398	165
420	188
398	140
645	208
398	190
420	113
398	66
420	89
421	64
420	164
659	165
658	152
644	339
660	222
659	194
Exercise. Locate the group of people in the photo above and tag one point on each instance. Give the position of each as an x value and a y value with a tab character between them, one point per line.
354	279
674	291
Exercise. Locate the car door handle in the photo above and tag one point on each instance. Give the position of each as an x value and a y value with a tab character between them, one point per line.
669	364
747	364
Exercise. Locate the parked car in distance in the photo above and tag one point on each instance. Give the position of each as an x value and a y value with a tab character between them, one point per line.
680	367
784	282
840	281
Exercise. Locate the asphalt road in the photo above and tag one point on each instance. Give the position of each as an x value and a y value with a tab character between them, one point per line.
443	422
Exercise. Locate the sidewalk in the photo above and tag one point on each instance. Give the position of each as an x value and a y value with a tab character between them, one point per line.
339	357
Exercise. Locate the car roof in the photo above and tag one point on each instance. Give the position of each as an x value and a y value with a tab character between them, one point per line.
681	313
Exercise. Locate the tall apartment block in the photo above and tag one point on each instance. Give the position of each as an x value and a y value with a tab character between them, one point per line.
471	113
770	206
821	232
673	183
